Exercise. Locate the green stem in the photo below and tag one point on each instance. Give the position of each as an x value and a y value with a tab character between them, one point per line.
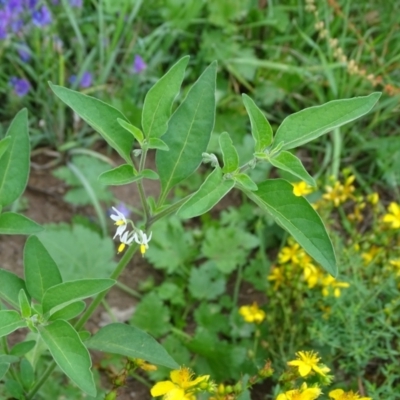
128	290
140	187
337	150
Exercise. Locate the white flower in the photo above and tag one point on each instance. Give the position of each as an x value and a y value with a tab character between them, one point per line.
126	240
120	221
142	239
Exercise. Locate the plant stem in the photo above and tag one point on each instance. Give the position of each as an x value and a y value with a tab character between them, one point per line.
141	187
41	381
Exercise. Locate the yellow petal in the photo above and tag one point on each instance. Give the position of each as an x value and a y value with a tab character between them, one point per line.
336	394
161	388
304	369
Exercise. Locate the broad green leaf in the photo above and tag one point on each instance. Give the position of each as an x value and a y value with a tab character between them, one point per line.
22	348
156	143
17	224
290	163
158	102
188	133
9	322
121	175
229	154
24	306
129	341
3	369
260	127
70	311
4	143
308	124
40	270
10	285
246	181
69	353
26	373
299	218
213	189
71	291
101	116
136	132
149	174
9	359
14	163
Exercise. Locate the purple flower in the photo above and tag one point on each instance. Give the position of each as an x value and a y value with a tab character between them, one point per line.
85	82
122	208
24	53
21	86
75	3
138	64
41	17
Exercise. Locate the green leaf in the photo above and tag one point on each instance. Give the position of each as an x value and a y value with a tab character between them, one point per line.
17	224
229	153
70	311
10	285
22	348
14	163
27	374
136	132
10	321
78	251
3	369
101	116
130	342
214	188
158	102
69	353
149	174
40	270
24	305
299	218
308	124
188	133
4	143
121	175
71	291
260	127
246	181
155	143
152	315
9	359
206	282
290	163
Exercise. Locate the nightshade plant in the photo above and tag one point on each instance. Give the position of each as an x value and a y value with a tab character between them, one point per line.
53	309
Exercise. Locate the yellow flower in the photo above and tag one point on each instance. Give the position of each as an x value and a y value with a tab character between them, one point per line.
339	394
252	314
329	282
373	198
396	264
145	366
180	387
290	253
307	361
312	275
301	189
277	274
339	193
304	393
393	216
370	255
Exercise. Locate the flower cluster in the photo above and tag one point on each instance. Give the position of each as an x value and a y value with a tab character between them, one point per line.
252	314
128	237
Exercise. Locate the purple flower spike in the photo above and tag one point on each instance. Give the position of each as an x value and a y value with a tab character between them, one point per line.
138	64
41	17
76	3
21	86
85	82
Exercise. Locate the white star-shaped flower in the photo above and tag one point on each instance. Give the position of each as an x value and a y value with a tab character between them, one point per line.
142	239
120	221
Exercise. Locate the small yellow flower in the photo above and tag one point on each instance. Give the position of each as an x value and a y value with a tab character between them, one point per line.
301	189
145	366
277	274
396	264
393	216
307	361
312	275
370	255
304	393
252	314
291	253
329	283
338	193
339	394
373	198
180	387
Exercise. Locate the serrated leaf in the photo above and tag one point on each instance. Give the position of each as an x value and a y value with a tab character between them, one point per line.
260	127
188	133
70	311
101	116
308	124
69	353
136	132
229	154
40	270
71	291
206	282
246	181
121	175
14	163
78	251
12	223
299	218
10	321
4	143
155	143
290	163
129	341
10	285
213	189
158	101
